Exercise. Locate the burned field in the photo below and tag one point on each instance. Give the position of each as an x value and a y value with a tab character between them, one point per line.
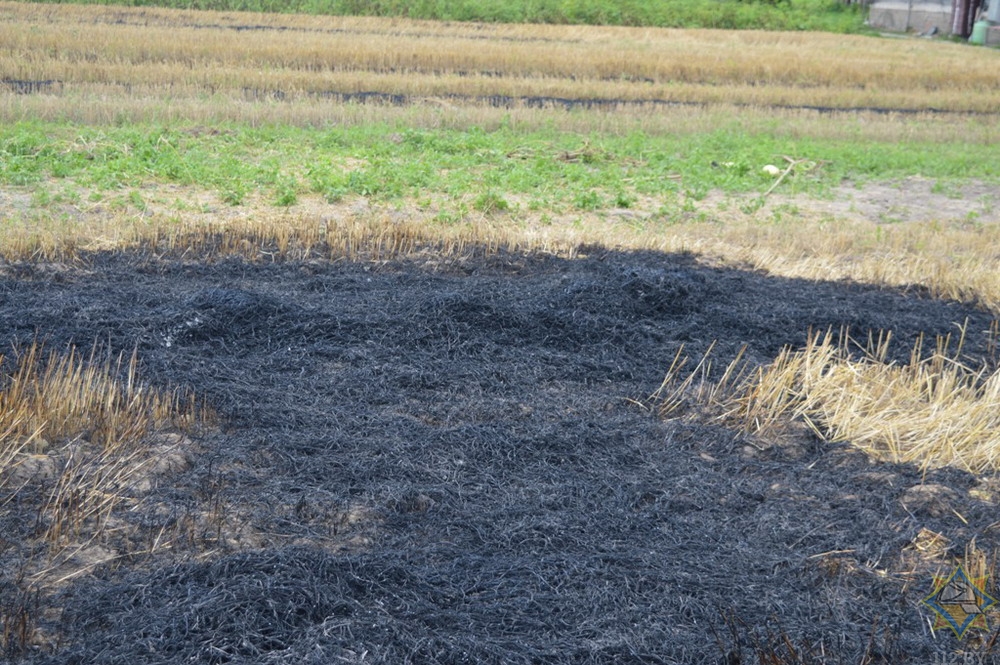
370	431
451	462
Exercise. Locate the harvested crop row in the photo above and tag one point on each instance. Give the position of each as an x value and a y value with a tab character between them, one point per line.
170	54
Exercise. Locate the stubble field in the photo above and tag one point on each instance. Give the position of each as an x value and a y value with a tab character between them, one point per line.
372	340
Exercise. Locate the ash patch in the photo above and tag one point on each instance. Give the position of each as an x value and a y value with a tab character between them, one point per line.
220	315
471	421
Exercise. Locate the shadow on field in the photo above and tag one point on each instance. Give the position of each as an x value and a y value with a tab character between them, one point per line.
440	464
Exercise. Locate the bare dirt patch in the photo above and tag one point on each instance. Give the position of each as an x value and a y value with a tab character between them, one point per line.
913	199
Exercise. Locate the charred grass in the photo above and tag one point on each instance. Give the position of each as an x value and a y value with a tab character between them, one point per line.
470	407
937	409
81	439
951	260
207	296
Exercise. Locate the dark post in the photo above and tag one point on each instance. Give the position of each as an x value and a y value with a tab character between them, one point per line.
958	10
963	15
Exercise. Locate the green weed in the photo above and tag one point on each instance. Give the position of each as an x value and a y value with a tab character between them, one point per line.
491	202
546	168
286	192
136	201
589	200
235	193
624	200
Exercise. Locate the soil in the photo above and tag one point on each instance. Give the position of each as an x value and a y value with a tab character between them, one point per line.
450	462
912	199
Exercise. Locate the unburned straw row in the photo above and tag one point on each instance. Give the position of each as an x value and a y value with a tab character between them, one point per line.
950	261
195	52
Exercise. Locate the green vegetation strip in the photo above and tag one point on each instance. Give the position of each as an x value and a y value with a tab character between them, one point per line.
488	171
825	15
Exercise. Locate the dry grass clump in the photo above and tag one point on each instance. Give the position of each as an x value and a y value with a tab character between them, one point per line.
934	411
177	57
76	444
76	425
63	395
275	237
110	105
952	260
